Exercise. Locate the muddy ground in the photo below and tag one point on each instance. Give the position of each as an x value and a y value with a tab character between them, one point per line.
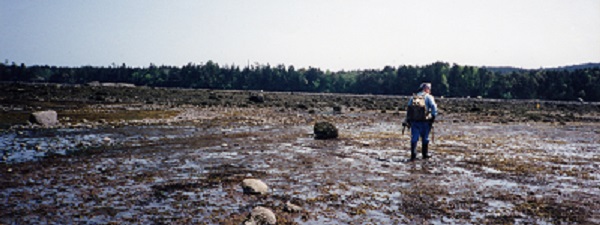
176	156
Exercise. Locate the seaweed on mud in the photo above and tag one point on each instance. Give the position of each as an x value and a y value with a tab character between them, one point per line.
8	119
229	174
219	175
500	219
191	185
566	211
115	115
105	210
422	202
551	206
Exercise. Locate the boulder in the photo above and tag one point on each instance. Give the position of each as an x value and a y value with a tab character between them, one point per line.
44	118
257	97
325	130
261	215
254	186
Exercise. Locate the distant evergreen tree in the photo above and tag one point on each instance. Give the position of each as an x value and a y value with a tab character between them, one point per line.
448	80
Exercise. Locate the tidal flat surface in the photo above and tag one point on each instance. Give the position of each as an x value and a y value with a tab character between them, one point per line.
190	172
187	168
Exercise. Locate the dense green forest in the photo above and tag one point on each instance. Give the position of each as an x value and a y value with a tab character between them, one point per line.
448	80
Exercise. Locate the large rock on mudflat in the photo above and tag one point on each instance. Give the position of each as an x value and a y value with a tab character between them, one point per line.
325	130
254	187
44	118
261	215
257	97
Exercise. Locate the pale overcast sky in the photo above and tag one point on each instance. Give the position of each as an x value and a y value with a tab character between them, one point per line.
329	34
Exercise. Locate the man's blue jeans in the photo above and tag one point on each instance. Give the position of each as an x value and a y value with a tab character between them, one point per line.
420	129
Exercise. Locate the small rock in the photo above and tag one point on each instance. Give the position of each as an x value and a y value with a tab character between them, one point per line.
289	207
254	186
337	109
261	215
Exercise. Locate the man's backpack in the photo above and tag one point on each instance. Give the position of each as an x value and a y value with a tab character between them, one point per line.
417	111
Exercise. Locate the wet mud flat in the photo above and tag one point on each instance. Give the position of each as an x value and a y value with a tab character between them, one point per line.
490	165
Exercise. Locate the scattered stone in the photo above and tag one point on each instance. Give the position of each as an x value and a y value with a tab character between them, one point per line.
325	130
261	215
289	207
213	96
111	84
254	186
302	106
337	109
44	118
93	84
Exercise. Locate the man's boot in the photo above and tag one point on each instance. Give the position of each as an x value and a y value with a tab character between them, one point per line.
413	151
425	151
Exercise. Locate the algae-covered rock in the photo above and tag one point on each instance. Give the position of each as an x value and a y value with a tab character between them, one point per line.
325	130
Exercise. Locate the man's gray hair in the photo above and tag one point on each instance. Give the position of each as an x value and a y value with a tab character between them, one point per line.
423	85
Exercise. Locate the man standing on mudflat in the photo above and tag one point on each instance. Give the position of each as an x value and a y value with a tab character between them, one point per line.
420	115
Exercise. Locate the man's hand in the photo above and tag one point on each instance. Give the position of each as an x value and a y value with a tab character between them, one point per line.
432	120
405	123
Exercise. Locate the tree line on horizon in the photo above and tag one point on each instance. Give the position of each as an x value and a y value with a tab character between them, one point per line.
449	80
